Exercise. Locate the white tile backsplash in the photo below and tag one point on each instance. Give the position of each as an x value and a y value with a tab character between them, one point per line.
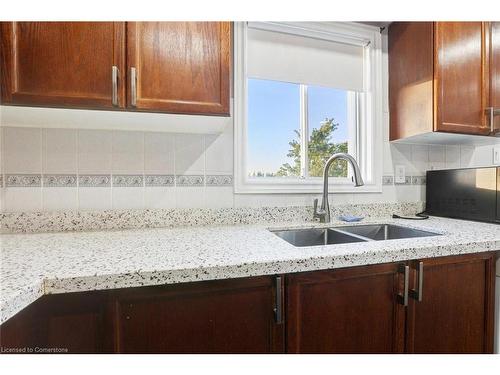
59	198
437	159
452	157
22	199
190	197
419	159
22	150
182	160
189	154
128	198
59	148
94	151
401	153
94	198
218	160
219	197
128	152
159	197
159	153
466	154
482	156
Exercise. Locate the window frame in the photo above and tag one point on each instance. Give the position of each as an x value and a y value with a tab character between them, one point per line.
368	110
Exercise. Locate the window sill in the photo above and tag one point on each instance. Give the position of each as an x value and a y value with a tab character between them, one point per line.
303	188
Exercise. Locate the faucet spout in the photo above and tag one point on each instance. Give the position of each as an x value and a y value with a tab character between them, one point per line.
323	213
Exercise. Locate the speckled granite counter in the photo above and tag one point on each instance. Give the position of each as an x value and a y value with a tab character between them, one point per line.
36	264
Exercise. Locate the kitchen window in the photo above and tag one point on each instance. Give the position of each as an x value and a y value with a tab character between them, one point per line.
304	91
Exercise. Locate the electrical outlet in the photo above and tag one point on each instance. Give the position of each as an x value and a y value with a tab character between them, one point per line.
400	174
496	155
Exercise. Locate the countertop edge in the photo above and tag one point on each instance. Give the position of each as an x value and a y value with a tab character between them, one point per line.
44	286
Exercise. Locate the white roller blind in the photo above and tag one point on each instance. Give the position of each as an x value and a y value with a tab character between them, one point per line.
301	59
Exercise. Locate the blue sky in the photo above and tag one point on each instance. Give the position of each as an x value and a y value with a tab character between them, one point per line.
273	115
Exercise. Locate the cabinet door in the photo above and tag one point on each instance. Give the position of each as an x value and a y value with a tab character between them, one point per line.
62	64
411	59
455	314
60	323
461	77
180	67
228	316
495	73
353	310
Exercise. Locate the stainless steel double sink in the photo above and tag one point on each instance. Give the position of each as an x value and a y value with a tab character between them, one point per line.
348	234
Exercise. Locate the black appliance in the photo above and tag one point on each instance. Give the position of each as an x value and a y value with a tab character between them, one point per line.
470	193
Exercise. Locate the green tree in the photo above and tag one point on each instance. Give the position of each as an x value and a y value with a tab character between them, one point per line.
320	149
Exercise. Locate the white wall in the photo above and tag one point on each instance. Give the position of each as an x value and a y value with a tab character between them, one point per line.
77	153
99	152
71	152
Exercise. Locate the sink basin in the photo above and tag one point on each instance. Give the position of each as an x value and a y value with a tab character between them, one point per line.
381	232
315	237
348	234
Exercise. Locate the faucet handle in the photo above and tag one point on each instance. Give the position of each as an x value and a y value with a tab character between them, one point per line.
317	214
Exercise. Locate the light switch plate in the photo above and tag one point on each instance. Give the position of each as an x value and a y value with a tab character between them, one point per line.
400	174
496	155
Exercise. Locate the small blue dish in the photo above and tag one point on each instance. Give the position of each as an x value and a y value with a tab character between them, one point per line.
350	218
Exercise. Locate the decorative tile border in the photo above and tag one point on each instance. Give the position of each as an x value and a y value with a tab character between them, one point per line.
106	180
94	180
59	180
189	180
160	180
409	180
128	180
418	180
23	180
387	180
97	180
219	180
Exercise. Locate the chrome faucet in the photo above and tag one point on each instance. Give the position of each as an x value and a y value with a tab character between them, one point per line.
323	213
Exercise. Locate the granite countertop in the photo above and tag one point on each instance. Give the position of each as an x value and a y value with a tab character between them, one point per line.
32	265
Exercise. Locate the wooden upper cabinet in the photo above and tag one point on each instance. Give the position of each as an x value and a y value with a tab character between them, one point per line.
351	310
440	75
176	67
456	311
62	64
180	67
461	72
410	78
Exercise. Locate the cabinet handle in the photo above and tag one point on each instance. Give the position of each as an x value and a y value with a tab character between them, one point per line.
133	86
492	112
114	83
417	294
403	299
278	310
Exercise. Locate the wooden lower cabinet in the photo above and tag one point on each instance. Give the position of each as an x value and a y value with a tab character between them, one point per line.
349	310
60	323
456	313
228	316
